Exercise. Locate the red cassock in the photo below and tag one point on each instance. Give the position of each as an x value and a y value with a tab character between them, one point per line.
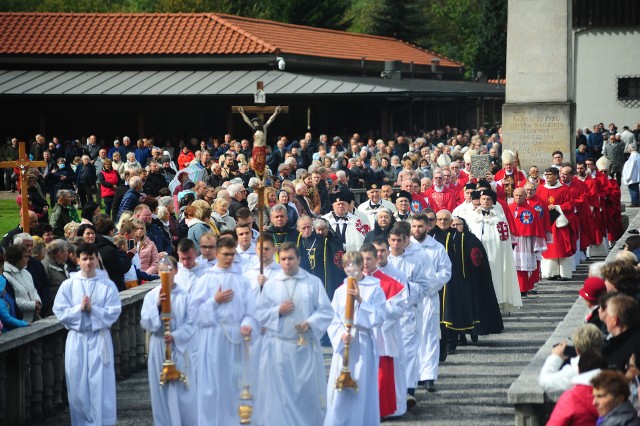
580	193
613	220
447	199
463	178
595	188
542	210
518	177
563	244
386	375
421	201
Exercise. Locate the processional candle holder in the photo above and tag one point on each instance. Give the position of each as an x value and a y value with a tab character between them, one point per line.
169	371
344	379
245	409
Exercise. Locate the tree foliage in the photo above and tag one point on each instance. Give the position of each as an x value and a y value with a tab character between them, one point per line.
403	19
491	52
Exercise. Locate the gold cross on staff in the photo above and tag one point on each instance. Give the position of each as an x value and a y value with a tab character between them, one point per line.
23	163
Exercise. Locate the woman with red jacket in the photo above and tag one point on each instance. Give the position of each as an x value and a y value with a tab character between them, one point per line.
109	179
185	158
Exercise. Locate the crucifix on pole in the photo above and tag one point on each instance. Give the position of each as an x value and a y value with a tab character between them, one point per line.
23	164
259	151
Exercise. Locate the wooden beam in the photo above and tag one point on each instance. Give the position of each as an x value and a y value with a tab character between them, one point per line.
260	109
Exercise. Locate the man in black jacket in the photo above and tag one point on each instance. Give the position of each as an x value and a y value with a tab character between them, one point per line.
110	259
622	324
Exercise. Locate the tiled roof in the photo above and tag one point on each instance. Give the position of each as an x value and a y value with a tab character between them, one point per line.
98	34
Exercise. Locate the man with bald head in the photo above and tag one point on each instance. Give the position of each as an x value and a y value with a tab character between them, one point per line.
530	239
7	239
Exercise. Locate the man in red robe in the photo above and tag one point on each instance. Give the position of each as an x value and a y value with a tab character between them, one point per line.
580	193
613	217
418	201
594	189
530	242
508	177
444	197
556	261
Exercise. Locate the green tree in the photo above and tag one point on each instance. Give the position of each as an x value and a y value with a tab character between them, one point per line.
402	19
491	53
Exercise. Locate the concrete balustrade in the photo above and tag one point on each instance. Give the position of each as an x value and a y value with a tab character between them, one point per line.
32	383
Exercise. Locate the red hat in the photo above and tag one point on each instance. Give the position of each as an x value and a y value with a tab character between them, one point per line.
592	289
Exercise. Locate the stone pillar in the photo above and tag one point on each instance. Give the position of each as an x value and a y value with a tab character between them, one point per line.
132	337
539	113
36	380
58	370
115	338
3	388
140	340
47	376
124	342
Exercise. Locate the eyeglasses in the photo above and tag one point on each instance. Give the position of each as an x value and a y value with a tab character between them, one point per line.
431	219
207	247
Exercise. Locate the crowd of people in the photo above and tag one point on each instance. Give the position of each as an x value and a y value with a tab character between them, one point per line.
438	254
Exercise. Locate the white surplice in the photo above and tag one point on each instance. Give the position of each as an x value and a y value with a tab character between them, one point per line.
348	407
88	358
173	403
220	344
438	267
258	337
292	383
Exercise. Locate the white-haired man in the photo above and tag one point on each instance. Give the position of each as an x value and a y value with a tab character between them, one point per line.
238	196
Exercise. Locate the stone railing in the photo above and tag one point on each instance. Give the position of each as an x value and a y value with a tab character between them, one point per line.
32	383
532	404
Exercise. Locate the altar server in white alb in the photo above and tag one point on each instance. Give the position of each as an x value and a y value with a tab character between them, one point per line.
174	402
348	407
88	304
257	281
295	311
222	307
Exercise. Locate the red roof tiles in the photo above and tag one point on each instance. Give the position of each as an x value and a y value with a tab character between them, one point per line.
191	34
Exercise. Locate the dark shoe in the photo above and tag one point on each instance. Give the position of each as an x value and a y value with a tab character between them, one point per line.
633	231
422	382
532	291
411	401
474	337
462	339
451	349
443	352
523	295
431	386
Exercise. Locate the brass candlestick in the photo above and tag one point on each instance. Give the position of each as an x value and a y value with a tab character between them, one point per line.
245	409
169	371
344	379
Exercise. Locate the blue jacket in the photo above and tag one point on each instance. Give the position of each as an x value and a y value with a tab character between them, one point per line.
7	312
142	154
160	238
87	173
130	201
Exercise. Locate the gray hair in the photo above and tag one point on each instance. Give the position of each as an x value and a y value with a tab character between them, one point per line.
340	174
57	246
135	182
384	210
165	201
278	208
23	236
63	193
320	222
235	189
595	270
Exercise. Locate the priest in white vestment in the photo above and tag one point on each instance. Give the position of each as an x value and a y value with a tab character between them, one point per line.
88	304
295	311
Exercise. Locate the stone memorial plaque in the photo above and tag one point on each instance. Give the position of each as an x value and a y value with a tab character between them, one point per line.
536	130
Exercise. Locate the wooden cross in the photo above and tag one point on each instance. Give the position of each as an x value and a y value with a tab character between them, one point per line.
23	163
